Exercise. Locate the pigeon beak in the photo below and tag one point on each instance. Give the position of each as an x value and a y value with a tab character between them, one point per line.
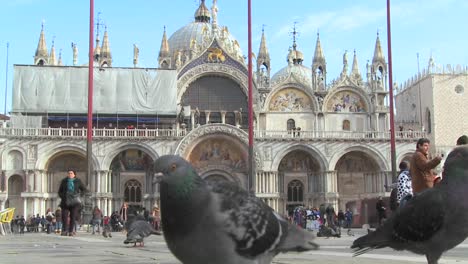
158	177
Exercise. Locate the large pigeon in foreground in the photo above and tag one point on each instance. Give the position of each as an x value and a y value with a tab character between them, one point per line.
434	221
220	222
138	230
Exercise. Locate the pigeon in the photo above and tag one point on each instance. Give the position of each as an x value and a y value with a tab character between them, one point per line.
220	222
433	221
138	230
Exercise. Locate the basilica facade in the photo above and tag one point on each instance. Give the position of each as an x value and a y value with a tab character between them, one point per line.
318	138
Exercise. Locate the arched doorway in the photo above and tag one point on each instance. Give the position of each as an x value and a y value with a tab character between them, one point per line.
58	166
132	177
220	157
358	175
15	188
298	170
133	194
295	195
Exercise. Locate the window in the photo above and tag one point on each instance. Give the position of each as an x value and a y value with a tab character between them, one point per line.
346	125
295	191
429	122
291	124
132	193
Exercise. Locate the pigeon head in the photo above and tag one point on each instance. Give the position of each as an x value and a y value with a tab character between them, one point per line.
172	169
456	166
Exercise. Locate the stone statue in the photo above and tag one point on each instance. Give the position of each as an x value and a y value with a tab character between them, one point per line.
136	52
345	63
239	117
75	54
196	117
181	115
178	61
290	56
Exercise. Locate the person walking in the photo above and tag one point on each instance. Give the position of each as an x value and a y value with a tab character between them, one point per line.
70	191
380	207
405	191
58	221
97	219
422	176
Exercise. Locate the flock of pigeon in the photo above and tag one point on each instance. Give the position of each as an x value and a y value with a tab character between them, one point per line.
220	222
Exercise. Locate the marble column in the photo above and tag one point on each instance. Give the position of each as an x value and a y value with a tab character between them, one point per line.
192	118
207	116
223	117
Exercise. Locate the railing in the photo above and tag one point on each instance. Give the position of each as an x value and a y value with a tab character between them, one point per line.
105	133
277	134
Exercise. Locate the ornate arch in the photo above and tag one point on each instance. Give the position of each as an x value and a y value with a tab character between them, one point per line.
106	163
62	147
332	97
196	135
223	70
292	86
224	171
372	152
6	153
312	151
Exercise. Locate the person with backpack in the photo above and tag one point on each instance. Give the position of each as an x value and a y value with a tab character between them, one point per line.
405	190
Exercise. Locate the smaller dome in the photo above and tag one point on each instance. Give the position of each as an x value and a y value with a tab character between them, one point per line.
299	72
202	14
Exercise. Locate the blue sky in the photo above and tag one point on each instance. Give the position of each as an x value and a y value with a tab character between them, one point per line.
426	27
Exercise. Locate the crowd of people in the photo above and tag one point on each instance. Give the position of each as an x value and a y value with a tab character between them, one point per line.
324	220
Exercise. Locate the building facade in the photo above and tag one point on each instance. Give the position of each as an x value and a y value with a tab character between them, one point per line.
317	139
434	101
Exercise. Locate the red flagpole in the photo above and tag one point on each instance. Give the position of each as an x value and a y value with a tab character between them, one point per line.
390	75
251	174
89	135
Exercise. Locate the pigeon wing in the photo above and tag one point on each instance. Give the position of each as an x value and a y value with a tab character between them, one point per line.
139	229
420	218
251	223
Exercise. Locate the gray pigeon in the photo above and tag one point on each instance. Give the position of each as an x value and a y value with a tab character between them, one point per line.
432	222
220	222
138	230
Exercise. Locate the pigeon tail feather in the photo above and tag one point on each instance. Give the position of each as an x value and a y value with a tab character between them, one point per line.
369	242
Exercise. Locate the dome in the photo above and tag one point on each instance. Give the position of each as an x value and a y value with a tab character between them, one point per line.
197	36
298	73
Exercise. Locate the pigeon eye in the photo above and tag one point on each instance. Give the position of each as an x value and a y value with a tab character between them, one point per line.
173	167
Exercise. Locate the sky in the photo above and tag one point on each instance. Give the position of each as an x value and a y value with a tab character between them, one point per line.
419	29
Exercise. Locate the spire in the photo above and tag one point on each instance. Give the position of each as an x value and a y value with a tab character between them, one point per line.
214	14
52	59
355	68
106	56
318	55
164	57
41	56
60	63
263	63
202	14
97	48
319	68
164	50
378	54
263	51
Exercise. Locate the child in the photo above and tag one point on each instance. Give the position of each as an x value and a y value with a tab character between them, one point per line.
106	228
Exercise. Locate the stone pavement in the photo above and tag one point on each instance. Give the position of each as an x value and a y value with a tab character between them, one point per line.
41	248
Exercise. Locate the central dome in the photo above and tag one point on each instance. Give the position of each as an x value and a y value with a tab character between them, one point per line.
198	35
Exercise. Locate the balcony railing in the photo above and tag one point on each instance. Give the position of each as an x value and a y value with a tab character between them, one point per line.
105	133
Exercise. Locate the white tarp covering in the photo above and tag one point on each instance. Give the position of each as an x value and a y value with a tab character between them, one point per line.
49	89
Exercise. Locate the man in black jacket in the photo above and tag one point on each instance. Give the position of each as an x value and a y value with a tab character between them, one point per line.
70	190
